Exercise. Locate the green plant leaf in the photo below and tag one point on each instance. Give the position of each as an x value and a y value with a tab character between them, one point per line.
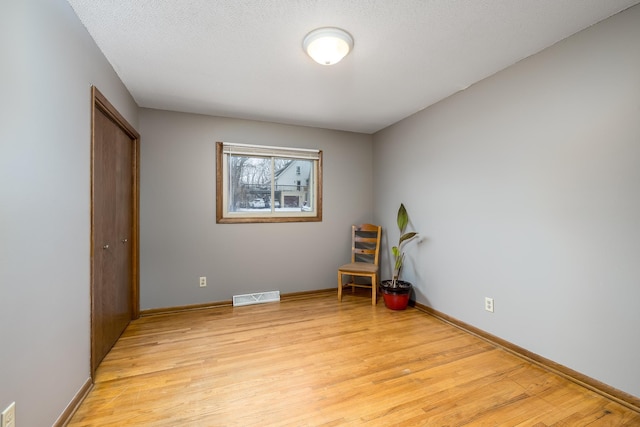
403	218
407	236
398	265
403	221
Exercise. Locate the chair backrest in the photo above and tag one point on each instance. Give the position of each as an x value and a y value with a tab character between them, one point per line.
365	243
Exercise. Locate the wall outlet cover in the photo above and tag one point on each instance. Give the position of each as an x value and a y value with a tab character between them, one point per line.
8	416
488	304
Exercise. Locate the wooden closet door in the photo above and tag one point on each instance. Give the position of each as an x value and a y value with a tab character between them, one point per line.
114	229
123	205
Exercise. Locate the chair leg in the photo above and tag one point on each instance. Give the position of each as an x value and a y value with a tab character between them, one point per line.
339	286
374	288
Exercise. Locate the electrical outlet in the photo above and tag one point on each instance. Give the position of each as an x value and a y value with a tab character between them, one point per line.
8	416
203	282
488	304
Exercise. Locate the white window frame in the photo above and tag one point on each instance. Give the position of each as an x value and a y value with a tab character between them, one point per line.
226	149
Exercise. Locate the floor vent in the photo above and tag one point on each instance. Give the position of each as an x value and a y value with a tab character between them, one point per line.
257	298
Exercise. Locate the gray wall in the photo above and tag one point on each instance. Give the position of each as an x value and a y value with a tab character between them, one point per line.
525	189
48	64
180	240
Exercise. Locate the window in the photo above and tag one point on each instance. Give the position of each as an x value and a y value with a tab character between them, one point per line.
256	183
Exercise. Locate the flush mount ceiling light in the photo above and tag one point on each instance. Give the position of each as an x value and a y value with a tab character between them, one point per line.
327	46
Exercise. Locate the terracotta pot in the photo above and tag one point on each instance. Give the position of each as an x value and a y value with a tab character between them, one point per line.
395	298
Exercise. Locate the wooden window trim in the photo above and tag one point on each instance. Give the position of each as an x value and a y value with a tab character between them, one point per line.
221	219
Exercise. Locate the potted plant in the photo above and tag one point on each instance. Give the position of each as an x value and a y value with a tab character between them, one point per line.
396	292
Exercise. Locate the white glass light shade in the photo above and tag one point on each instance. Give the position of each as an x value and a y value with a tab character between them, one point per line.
327	46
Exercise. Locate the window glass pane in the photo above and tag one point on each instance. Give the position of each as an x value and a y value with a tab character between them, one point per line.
294	185
249	183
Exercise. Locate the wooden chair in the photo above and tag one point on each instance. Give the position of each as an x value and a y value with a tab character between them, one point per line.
365	251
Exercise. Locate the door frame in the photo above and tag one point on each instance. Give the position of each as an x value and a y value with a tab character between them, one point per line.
100	102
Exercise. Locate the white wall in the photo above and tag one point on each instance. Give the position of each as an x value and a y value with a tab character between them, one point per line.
180	240
48	64
525	188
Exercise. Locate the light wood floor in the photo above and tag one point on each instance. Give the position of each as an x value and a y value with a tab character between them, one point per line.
316	362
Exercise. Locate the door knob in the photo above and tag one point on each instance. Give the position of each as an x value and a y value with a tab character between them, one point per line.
124	241
105	247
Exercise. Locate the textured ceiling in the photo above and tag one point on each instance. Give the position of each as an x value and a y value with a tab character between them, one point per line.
244	58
